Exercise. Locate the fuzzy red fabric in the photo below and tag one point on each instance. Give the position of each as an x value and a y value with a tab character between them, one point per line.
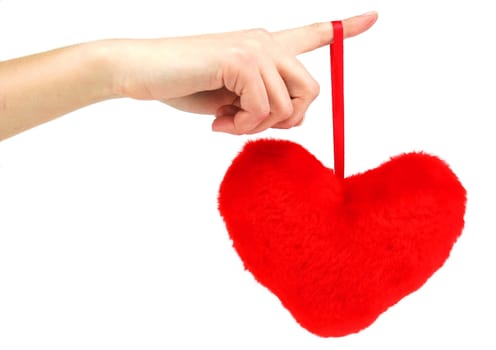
338	253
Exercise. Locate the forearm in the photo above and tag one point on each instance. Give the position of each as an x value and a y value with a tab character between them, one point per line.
41	87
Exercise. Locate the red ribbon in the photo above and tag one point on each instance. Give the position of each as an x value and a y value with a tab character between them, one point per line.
337	97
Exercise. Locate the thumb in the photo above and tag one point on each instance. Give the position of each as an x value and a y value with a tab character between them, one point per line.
313	36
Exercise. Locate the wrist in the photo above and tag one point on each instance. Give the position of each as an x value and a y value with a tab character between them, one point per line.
101	58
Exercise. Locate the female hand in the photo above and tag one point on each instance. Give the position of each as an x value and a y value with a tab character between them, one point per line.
250	80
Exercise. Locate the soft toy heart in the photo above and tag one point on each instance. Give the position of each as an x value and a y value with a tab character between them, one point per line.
338	253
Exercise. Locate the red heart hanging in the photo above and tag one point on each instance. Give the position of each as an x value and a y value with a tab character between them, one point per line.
339	251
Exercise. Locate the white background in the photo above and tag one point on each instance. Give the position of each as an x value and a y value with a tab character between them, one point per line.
109	232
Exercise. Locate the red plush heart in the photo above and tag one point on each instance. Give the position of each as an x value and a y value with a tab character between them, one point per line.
338	253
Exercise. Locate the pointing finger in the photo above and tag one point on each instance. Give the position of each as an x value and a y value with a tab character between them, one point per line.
313	36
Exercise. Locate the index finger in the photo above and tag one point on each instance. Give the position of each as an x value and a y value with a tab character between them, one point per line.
313	36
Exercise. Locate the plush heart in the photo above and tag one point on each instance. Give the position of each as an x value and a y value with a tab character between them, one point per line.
338	253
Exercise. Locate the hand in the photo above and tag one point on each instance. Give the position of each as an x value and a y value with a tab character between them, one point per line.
250	80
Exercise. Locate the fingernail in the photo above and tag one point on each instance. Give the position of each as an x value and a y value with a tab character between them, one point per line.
370	13
221	125
216	128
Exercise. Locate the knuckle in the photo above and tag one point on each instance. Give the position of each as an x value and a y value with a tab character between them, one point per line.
251	47
259	33
241	55
257	40
286	111
313	89
261	110
262	113
285	125
299	120
295	121
251	44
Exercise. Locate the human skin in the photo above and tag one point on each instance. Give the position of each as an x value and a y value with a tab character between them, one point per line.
250	80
